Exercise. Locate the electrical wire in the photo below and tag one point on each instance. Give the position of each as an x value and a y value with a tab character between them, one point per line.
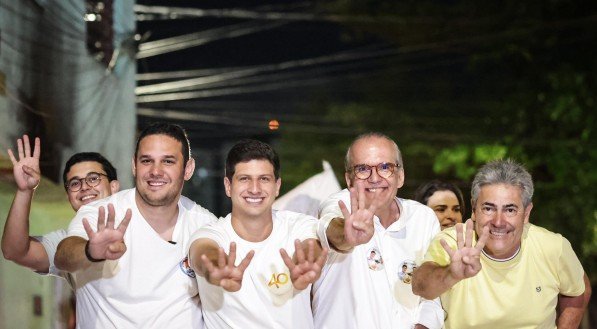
196	39
186	12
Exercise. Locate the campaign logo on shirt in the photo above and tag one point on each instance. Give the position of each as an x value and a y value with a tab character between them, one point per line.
374	259
405	271
279	283
185	267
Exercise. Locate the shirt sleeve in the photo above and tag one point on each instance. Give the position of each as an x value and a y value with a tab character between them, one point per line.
328	210
306	228
76	228
50	243
430	313
571	273
435	252
213	232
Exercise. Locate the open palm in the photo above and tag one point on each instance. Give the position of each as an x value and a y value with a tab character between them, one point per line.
26	169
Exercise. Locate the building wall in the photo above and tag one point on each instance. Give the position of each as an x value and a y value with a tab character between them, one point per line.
50	86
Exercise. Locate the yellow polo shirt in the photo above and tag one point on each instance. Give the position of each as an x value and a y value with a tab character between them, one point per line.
518	293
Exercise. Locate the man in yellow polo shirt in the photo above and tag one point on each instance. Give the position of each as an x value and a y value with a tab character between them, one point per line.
515	273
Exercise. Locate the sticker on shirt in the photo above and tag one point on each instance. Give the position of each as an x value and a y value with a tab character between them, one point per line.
405	271
185	267
374	259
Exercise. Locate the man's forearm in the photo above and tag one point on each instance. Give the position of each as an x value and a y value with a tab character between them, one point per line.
70	255
17	246
572	309
197	250
431	280
336	236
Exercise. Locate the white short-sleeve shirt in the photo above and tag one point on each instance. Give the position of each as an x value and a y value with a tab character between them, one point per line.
267	298
151	285
371	286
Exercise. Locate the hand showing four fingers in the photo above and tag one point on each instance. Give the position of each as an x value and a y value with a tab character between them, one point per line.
26	169
108	241
225	273
304	268
465	261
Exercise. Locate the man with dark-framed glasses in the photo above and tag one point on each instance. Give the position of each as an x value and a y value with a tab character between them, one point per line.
98	181
87	176
368	219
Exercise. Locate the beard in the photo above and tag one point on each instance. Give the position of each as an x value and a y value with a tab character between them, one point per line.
160	198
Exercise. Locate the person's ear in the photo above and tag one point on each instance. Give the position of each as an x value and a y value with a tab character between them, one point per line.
227	184
114	186
189	169
134	167
527	212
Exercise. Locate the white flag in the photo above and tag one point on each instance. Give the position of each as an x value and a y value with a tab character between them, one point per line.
306	197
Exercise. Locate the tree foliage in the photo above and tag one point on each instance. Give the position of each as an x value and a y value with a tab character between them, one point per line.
479	81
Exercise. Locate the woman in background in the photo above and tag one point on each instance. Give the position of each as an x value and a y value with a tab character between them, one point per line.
445	199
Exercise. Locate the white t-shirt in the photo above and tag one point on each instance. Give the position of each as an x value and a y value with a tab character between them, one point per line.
267	298
151	285
50	243
371	286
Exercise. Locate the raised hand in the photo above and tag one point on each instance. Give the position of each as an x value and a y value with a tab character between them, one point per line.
108	241
26	169
465	261
358	223
226	274
304	270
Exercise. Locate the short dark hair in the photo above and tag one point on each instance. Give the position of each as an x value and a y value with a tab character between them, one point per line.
425	191
169	129
91	157
251	149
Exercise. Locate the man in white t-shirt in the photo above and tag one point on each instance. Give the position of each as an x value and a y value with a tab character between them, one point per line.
131	272
87	177
374	247
267	289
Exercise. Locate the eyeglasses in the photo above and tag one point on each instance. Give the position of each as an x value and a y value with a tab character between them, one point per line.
384	170
92	180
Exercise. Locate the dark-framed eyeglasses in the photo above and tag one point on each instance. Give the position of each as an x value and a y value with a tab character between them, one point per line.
384	170
92	180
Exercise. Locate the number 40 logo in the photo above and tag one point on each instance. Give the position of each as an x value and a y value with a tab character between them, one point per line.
278	279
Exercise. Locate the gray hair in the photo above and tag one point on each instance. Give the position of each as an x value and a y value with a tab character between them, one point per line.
503	172
348	161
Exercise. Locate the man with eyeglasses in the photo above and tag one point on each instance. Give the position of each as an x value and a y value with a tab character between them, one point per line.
356	290
503	271
87	177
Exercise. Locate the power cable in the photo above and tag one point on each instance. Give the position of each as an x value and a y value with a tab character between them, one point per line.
194	39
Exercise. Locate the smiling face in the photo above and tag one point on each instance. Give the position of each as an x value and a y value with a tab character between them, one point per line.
500	207
373	151
252	189
160	171
446	207
87	193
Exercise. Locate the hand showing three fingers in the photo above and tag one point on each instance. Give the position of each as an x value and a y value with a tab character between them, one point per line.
26	169
304	269
465	261
358	225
